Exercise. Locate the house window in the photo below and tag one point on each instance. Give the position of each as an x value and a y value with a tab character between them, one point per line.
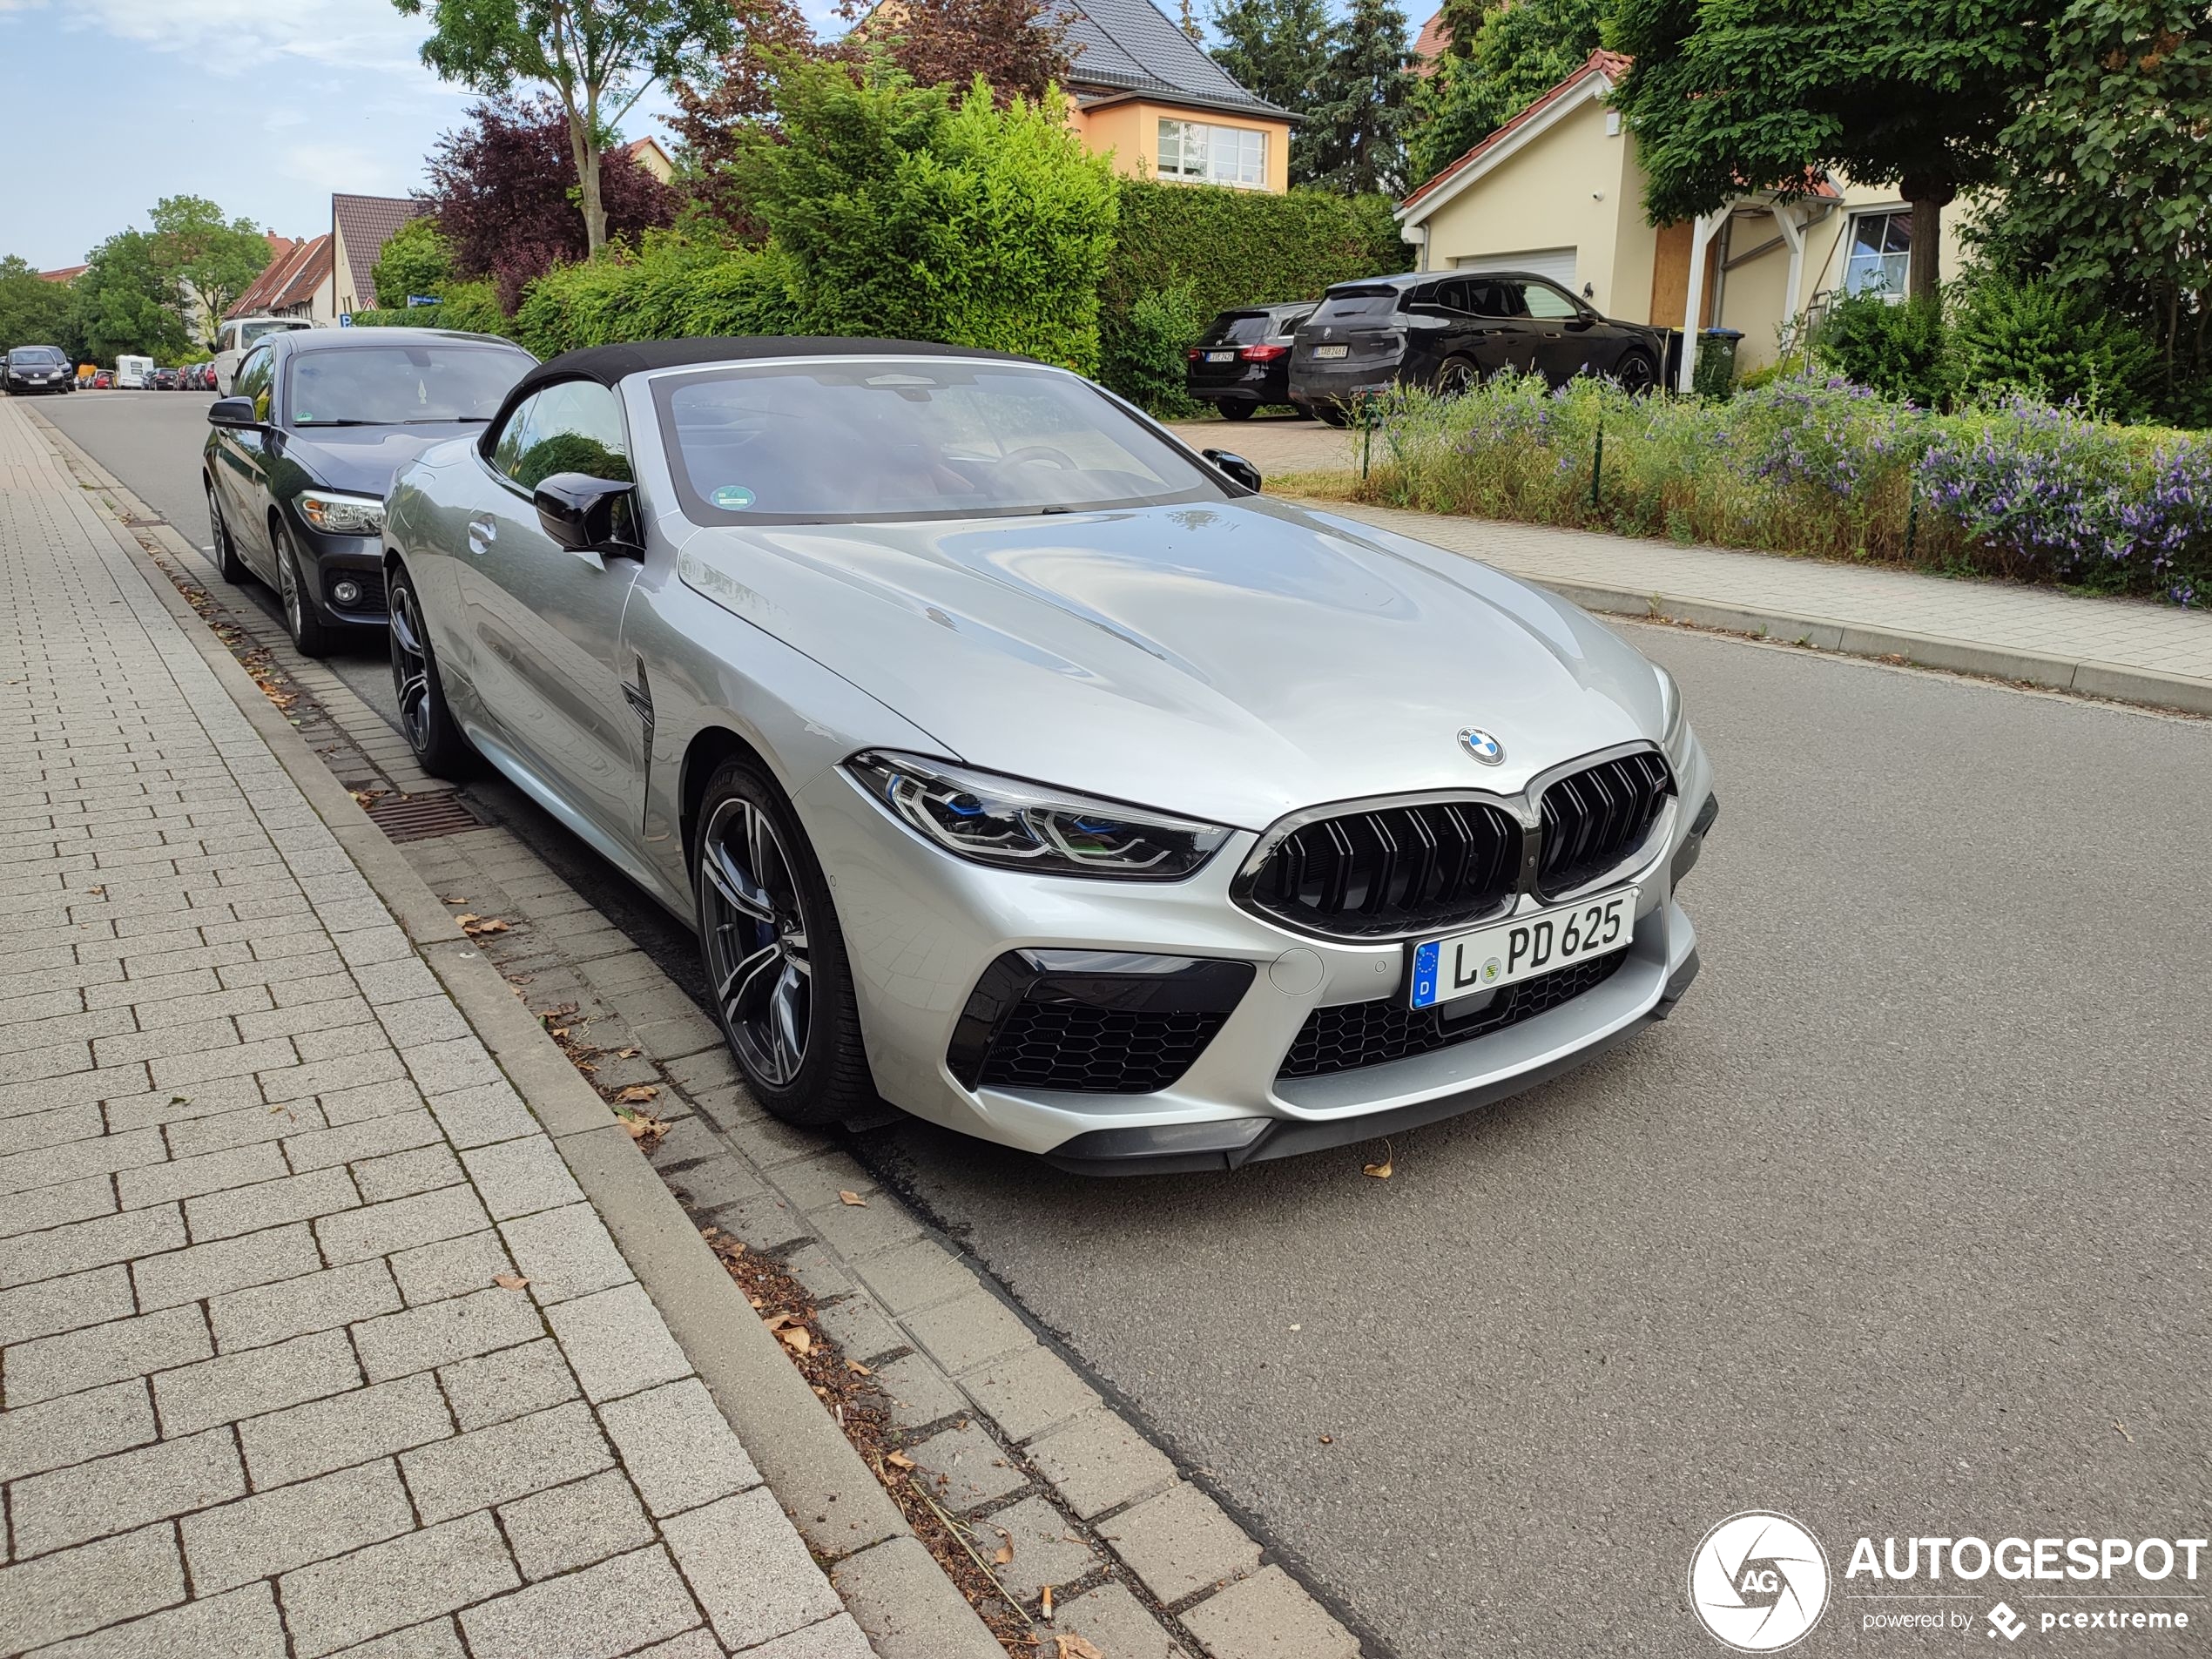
1218	155
1881	253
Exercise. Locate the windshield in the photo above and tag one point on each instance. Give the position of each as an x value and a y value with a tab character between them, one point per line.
250	331
843	440
1344	305
401	384
26	356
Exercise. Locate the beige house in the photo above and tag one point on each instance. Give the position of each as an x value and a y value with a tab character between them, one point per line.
1558	190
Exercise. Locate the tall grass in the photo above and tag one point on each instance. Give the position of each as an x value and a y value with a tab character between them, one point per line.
1817	467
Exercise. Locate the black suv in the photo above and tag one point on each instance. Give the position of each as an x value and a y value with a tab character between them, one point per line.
1446	331
36	368
1244	359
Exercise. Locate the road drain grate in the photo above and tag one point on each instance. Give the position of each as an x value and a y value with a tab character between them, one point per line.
417	818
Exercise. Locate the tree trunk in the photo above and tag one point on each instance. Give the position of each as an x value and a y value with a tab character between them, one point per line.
583	151
1927	197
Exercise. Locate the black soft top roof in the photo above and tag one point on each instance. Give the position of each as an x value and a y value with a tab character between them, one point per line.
611	364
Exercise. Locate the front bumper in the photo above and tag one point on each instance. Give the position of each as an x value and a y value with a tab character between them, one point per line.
332	560
922	931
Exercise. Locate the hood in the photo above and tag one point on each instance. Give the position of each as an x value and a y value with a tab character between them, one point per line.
1231	662
364	459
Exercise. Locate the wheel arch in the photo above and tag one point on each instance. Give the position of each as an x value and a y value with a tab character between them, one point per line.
710	747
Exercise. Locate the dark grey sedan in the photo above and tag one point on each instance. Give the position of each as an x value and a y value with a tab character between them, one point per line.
298	460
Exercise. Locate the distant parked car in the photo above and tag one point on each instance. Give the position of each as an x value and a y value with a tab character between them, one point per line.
236	336
36	368
1447	332
1242	361
163	379
103	379
298	460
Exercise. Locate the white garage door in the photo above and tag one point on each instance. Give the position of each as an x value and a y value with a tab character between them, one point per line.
1557	263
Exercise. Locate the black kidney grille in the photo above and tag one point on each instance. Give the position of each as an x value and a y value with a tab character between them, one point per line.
1595	818
1051	1044
1391	870
1355	1035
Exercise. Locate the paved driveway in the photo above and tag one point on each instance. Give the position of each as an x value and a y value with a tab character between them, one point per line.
1274	444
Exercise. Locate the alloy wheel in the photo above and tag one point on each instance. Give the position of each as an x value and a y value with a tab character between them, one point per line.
288	587
1453	379
755	941
411	668
1637	375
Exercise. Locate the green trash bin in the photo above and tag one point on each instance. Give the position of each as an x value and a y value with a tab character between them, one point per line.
1715	375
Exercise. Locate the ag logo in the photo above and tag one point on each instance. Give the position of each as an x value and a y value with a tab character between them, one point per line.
1759	1581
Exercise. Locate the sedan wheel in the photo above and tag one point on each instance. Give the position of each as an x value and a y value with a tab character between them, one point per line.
432	733
775	960
1637	374
309	632
1456	378
228	565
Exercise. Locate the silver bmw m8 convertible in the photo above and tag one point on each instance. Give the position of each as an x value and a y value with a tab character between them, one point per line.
1021	768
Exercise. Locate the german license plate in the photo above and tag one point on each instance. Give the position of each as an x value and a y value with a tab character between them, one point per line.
1462	964
1221	356
1330	351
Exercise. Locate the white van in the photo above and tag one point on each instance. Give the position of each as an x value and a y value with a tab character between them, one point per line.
134	371
236	338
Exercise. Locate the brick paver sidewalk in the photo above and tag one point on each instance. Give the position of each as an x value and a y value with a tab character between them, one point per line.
269	1381
2047	633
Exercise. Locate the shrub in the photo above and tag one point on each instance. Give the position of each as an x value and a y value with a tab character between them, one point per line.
1896	347
1141	354
1816	465
415	259
1223	249
471	307
2056	345
674	289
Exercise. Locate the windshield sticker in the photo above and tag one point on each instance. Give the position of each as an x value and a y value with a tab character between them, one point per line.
730	497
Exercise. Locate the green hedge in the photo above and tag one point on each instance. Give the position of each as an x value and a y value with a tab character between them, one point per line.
1192	251
671	289
471	307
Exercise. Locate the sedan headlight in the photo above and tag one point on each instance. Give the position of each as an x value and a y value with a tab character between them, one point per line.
1673	726
1003	821
339	514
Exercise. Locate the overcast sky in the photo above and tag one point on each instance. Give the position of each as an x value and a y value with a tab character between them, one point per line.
111	104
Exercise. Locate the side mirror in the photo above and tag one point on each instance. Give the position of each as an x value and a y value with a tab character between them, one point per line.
233	412
1235	466
581	512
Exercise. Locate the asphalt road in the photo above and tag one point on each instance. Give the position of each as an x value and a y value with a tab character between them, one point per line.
1900	1226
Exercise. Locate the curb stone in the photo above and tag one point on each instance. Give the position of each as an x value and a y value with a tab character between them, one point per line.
956	1350
809	1466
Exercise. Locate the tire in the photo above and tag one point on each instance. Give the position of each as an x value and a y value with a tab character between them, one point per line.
309	632
1637	374
228	565
441	747
775	959
1456	377
1237	408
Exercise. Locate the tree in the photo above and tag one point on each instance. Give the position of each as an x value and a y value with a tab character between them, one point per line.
416	260
1279	49
738	92
1359	138
33	312
1018	47
501	188
2107	185
127	299
211	260
1502	61
599	57
1726	96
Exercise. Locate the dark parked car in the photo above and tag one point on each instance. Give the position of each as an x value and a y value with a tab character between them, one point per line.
298	459
36	368
163	379
1446	331
1244	360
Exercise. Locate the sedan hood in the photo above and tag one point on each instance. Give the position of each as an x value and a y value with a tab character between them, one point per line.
364	459
1231	662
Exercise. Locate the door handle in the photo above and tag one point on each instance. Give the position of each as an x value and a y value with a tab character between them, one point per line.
483	531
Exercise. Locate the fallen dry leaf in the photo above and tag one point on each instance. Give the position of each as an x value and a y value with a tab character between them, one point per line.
778	1321
625	1054
1005	1551
1328	1439
858	1369
510	1281
637	1093
899	1460
1381	1171
454	898
797	1338
852	1198
709	1231
97	893
1073	1646
488	925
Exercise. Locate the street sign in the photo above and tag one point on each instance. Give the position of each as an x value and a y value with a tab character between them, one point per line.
415	300
345	320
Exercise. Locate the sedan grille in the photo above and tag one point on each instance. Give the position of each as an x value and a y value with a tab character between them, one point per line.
1390	871
1357	1034
1595	818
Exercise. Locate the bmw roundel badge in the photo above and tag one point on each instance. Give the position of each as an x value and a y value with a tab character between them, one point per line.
1482	746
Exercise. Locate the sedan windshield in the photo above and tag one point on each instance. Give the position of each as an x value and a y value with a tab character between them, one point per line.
36	356
401	385
843	439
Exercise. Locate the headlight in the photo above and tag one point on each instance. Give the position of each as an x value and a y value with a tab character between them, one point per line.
1018	825
1672	725
342	514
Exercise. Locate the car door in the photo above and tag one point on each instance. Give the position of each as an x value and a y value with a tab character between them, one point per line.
544	623
1508	338
242	464
1570	337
